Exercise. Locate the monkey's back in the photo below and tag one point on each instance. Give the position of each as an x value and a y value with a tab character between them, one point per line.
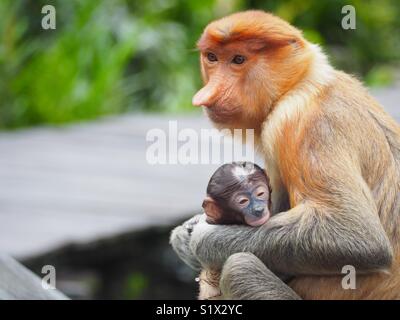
377	137
370	287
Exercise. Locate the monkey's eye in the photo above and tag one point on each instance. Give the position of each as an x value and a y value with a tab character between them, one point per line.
238	59
243	201
261	192
212	57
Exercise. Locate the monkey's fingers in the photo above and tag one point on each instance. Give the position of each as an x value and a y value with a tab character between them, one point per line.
189	224
179	240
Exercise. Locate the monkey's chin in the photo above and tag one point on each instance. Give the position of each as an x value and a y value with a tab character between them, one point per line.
222	117
258	222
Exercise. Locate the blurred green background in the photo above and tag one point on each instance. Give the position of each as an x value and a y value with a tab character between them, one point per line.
114	56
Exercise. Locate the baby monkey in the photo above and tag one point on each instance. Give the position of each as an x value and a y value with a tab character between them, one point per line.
238	193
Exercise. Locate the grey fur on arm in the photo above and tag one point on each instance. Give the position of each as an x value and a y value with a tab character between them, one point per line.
245	277
180	240
299	241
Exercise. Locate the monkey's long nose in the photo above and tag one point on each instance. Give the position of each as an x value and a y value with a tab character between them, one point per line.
204	97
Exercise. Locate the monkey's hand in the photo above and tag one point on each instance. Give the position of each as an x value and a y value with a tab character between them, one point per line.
212	244
180	240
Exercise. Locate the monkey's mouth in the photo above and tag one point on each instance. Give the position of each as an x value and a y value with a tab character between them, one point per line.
220	114
256	222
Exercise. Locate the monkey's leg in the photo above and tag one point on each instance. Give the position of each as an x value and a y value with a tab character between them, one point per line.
209	285
245	277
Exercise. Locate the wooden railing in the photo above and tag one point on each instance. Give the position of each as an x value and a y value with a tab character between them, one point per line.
19	283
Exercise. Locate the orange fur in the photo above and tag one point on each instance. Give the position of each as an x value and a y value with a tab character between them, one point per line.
209	285
287	91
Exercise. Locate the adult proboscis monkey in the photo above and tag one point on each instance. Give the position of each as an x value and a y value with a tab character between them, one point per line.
333	157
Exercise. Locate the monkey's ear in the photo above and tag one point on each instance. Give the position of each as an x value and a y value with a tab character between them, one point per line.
212	210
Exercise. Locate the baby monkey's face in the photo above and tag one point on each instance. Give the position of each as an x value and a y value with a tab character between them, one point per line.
238	193
251	202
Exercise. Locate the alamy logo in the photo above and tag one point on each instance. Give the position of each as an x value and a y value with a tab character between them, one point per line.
209	146
49	280
349	20
49	20
349	280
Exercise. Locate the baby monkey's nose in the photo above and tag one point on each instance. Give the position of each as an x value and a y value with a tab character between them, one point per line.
258	212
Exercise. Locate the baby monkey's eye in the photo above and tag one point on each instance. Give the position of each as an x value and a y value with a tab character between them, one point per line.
261	192
238	59
243	201
212	57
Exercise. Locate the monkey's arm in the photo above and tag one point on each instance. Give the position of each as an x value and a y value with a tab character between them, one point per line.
334	223
180	240
321	246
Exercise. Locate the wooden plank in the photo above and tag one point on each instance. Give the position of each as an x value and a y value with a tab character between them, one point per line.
18	283
78	183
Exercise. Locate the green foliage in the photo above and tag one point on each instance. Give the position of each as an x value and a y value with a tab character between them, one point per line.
135	284
374	43
75	74
113	56
379	76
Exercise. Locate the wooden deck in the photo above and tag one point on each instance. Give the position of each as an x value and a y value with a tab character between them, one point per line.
19	283
91	180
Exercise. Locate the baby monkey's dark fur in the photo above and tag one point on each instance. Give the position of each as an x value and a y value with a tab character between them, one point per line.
238	193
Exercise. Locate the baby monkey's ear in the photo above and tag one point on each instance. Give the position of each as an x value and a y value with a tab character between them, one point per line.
212	210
